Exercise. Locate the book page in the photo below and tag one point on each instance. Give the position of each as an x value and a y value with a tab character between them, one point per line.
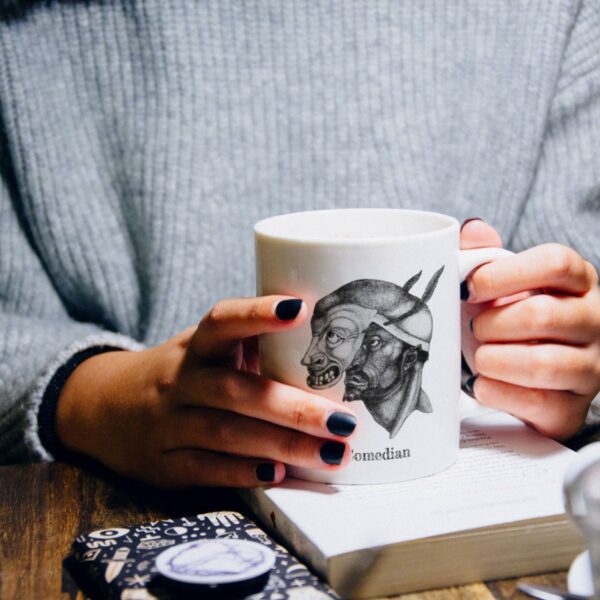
505	472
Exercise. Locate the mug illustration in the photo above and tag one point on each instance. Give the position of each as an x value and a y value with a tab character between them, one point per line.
377	335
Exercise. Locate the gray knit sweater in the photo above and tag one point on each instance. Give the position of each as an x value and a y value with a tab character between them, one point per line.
141	139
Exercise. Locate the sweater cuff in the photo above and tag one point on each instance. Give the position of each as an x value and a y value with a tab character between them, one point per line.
47	409
40	435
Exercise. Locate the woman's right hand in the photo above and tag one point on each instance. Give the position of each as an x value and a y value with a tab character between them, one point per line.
195	411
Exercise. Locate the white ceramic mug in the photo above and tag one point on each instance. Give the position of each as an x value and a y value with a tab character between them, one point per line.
581	490
382	290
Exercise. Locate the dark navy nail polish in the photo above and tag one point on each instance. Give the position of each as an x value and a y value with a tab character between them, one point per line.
469	384
471	325
341	424
265	472
286	310
469	220
332	452
464	291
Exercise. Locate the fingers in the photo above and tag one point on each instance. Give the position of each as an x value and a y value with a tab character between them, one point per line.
568	319
251	362
188	468
554	413
544	366
230	433
549	266
230	321
476	233
257	396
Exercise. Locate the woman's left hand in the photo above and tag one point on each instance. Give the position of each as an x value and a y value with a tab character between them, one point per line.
539	357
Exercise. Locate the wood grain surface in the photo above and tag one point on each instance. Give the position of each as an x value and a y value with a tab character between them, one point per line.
43	507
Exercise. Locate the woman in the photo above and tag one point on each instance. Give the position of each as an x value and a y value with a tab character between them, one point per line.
141	140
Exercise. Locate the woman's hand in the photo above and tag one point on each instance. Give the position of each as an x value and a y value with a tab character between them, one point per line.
539	357
195	411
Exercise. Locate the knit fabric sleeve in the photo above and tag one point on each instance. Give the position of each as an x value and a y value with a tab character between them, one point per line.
565	192
37	333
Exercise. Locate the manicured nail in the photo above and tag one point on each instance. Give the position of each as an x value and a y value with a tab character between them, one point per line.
265	472
332	452
464	291
341	424
286	310
469	220
469	384
471	325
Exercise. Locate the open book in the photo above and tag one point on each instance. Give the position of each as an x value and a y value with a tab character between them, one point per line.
496	513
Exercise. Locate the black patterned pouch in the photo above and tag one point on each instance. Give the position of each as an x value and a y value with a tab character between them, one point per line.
119	562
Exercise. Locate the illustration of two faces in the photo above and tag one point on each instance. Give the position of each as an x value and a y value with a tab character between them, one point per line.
377	334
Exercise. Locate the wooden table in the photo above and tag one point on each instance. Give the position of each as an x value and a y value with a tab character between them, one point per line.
44	506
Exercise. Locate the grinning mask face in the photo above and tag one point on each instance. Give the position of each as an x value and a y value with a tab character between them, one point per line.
336	337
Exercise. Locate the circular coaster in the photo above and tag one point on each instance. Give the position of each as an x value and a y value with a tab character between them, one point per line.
217	564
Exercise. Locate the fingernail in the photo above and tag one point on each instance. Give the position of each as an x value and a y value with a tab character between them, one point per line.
286	310
464	291
265	472
469	220
341	424
332	452
471	325
469	384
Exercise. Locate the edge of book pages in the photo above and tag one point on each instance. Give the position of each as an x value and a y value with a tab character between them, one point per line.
497	513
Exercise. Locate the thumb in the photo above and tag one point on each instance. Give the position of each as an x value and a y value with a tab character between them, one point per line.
476	233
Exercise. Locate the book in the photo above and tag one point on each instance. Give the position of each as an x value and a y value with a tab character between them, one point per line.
496	513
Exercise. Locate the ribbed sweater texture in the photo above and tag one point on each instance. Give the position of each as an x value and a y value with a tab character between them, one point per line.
141	139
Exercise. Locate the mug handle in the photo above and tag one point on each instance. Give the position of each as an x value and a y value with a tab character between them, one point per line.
468	260
471	259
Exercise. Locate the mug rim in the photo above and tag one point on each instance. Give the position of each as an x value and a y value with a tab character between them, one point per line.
261	228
